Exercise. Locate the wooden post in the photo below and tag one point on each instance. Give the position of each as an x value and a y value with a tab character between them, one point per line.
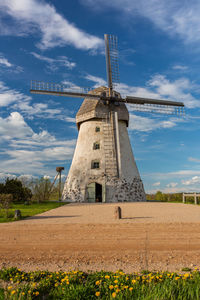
183	198
118	213
195	198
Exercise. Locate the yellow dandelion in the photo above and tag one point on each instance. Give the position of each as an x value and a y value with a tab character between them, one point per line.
133	281
97	294
116	281
118	290
9	287
111	287
98	282
13	292
114	295
130	289
107	277
37	293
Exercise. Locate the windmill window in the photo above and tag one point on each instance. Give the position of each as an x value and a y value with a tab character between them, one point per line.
96	146
97	129
95	164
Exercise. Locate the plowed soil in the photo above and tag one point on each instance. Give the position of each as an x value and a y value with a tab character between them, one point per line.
153	236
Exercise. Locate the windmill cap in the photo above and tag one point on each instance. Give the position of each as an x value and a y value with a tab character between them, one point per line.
97	109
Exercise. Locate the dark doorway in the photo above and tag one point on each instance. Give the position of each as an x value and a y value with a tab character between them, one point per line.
98	192
94	192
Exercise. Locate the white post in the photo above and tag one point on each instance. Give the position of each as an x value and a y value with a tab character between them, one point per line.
183	198
195	198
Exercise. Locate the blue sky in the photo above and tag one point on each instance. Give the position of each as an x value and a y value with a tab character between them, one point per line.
62	41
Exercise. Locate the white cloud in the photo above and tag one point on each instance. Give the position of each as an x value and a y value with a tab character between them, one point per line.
176	18
97	80
21	102
5	62
70	119
9	96
192	181
194	159
172	184
156	183
180	68
27	151
146	124
38	110
14	126
178	90
33	15
55	63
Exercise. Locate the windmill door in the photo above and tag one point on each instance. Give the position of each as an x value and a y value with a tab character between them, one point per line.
94	192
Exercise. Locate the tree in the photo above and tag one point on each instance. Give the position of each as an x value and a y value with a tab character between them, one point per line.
41	189
16	189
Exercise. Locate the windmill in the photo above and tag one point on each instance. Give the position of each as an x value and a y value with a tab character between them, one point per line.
103	168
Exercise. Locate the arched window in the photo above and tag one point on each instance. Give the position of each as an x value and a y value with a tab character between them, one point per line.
97	129
96	146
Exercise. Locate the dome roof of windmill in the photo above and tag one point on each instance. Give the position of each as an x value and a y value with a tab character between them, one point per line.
97	109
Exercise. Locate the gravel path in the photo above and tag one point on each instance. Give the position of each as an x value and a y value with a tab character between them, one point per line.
86	236
139	212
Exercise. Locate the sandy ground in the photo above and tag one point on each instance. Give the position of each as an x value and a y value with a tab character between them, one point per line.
154	236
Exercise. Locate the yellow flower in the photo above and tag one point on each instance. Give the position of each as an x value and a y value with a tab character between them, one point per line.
107	277
118	290
116	281
98	282
111	287
97	294
114	295
130	289
37	293
13	292
9	287
133	281
56	284
126	287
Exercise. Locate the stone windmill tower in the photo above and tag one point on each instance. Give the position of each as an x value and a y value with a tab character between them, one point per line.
103	168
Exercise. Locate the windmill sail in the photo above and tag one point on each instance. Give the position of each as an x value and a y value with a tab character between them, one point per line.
112	64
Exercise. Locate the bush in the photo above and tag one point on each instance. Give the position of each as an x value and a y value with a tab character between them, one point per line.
16	189
5	202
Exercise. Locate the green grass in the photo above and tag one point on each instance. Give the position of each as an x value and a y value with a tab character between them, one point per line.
29	210
16	284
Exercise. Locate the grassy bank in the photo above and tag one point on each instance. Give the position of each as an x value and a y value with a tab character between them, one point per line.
28	210
16	284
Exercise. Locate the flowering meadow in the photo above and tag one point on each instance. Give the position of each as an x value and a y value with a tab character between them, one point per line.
17	284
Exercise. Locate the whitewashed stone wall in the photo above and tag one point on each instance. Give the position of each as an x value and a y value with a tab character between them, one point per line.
128	187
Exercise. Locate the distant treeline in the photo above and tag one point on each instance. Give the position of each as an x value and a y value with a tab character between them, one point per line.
167	197
38	190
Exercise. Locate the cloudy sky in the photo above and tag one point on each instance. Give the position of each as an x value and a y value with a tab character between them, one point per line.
62	41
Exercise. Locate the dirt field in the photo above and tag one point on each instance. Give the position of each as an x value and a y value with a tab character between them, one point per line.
154	236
